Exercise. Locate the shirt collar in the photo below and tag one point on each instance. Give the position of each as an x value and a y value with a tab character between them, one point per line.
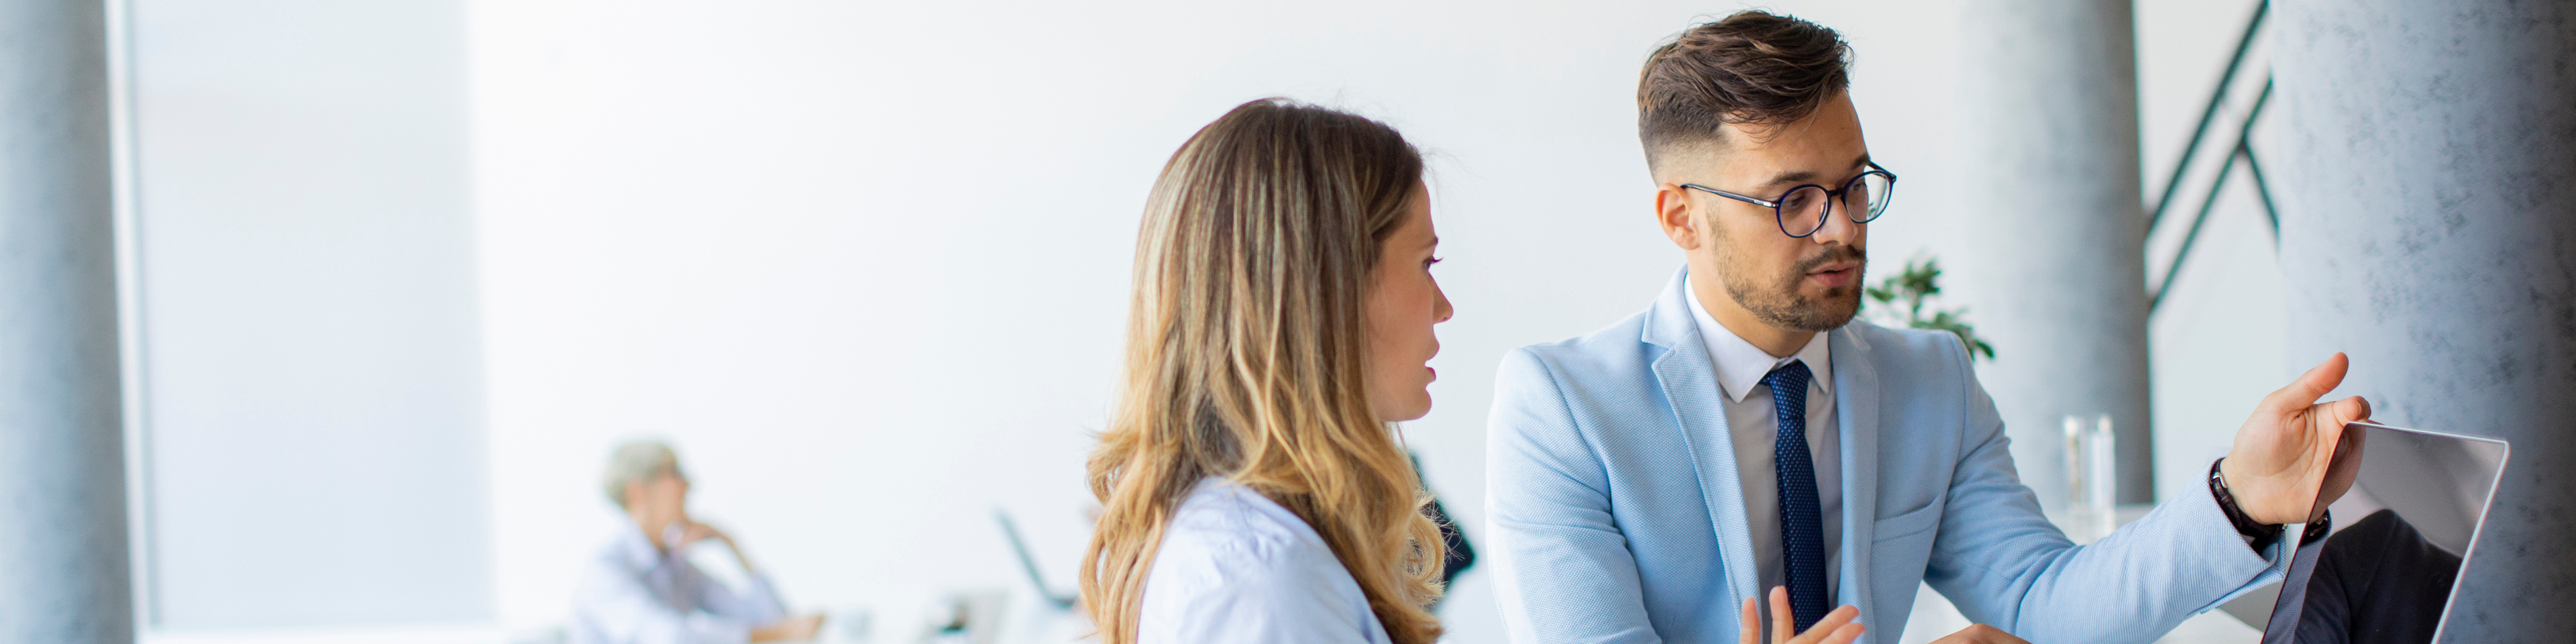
1741	366
637	549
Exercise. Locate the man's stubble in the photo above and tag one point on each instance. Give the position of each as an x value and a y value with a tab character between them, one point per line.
1779	303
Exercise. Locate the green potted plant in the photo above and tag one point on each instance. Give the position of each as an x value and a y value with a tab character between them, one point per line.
1906	297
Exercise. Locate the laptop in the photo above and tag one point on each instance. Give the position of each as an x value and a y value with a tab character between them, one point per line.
2384	566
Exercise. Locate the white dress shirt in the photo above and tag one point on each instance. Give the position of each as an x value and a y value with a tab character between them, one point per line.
1236	567
635	593
1755	423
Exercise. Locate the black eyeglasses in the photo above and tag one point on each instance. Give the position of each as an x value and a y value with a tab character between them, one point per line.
1803	209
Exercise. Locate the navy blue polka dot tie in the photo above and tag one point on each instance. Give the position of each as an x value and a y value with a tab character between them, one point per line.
1802	525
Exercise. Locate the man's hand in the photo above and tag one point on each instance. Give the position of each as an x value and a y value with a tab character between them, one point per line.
1835	628
699	531
1980	634
793	629
695	532
2279	465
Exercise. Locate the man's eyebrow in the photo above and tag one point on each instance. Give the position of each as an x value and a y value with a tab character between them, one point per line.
1790	177
1807	176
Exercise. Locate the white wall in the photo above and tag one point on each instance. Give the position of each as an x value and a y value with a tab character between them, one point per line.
312	380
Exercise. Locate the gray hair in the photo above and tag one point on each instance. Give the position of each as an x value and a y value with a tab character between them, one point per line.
637	462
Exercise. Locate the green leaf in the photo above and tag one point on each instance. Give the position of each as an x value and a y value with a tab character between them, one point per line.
1917	285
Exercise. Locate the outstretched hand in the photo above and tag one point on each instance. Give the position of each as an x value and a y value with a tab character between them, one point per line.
1835	628
2278	470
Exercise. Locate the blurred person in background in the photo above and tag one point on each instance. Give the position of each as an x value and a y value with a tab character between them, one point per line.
641	588
1253	486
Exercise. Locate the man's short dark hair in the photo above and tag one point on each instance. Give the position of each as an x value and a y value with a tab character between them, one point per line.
1751	67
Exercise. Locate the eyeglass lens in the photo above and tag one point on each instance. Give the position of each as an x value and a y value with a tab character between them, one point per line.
1803	211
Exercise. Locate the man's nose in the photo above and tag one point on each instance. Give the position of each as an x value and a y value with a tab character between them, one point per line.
1838	227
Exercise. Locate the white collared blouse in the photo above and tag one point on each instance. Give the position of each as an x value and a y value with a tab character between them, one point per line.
1236	567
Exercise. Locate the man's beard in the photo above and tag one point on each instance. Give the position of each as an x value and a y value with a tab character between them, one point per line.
1781	305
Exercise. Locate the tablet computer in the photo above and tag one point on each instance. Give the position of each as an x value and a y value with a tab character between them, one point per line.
2382	566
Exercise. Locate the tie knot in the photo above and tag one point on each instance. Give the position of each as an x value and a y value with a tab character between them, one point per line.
1791	377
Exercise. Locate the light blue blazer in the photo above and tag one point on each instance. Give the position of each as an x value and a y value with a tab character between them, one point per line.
1616	514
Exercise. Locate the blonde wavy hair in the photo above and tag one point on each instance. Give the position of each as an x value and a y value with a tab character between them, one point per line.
1246	350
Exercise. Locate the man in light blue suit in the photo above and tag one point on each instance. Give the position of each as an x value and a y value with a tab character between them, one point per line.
1744	437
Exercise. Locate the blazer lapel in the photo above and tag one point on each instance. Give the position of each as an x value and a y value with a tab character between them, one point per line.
1856	405
1690	384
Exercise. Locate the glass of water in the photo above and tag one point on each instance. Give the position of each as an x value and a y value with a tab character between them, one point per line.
2091	479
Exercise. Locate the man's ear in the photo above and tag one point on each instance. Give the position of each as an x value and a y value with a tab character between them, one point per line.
1673	213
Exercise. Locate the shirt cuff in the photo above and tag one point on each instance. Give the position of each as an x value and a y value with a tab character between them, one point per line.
2200	526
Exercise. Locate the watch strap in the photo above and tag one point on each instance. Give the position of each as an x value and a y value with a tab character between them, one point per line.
2258	535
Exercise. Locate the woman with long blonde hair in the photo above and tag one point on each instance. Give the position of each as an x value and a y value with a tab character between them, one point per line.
1253	486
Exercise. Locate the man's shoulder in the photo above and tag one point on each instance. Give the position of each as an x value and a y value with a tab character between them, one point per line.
1906	347
625	553
1910	356
1621	347
1615	348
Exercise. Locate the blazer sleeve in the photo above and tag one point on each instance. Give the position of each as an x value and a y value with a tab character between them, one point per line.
1562	569
2002	563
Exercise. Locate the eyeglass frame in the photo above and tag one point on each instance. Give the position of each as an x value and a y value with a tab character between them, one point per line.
1831	196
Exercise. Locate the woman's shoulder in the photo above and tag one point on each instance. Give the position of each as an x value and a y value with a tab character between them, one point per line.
1227	521
1235	566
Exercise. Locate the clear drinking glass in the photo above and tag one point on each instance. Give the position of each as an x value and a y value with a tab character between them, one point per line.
2091	478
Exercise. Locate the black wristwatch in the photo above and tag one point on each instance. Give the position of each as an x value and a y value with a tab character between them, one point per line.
2259	535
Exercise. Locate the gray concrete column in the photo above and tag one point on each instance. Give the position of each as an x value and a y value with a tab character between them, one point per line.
2429	230
2054	276
63	566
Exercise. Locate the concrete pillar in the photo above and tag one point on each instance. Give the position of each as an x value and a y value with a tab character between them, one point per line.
2054	276
63	565
2429	230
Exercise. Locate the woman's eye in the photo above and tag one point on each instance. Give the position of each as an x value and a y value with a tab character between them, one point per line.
1429	262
